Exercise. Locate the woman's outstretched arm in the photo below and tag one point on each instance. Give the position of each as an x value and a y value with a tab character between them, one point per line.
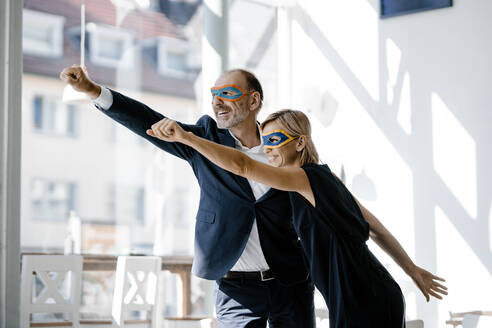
230	159
425	281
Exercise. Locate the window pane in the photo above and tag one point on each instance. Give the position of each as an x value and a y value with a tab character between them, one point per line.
52	117
42	33
129	196
52	200
111	48
38	112
176	61
71	119
39	34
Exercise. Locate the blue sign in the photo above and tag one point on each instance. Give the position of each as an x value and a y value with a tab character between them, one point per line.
391	8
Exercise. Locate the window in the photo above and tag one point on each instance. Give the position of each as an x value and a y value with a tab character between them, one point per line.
42	34
126	204
123	204
176	61
120	135
52	200
110	46
51	116
172	57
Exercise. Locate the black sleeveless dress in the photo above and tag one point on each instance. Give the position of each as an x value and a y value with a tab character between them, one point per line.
358	290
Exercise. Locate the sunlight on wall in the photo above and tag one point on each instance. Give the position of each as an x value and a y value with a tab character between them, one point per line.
393	58
353	139
469	290
244	34
410	302
352	30
378	142
316	85
397	88
454	155
404	116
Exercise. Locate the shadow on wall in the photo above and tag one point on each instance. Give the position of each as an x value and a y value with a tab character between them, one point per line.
440	62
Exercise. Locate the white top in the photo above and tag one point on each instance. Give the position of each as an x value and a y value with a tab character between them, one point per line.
252	258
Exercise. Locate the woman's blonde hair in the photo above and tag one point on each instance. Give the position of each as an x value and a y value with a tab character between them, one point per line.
296	123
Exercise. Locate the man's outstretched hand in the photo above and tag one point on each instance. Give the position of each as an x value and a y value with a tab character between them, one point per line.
78	78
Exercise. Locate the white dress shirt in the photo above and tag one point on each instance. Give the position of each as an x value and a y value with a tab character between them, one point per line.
105	99
252	258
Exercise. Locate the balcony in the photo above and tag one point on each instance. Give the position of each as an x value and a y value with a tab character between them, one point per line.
101	268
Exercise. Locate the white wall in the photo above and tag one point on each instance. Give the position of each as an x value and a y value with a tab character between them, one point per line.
404	105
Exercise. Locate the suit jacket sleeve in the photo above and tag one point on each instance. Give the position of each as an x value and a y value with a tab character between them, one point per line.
138	117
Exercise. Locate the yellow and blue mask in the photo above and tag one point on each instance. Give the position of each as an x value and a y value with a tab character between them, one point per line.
228	92
276	139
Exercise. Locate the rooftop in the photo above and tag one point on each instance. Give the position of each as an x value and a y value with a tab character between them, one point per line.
147	27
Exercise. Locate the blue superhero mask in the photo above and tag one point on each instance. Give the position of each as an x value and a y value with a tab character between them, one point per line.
228	92
276	139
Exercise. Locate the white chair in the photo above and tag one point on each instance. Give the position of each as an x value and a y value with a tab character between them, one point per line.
135	287
208	323
477	321
50	300
415	324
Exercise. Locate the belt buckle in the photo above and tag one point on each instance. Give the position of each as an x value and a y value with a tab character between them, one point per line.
265	279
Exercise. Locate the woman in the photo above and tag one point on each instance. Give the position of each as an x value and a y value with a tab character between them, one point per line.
332	225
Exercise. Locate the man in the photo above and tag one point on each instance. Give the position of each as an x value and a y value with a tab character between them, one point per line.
244	238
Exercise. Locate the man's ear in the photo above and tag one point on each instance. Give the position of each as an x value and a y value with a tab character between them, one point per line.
301	143
255	101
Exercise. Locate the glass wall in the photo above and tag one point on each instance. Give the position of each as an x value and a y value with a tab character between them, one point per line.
80	168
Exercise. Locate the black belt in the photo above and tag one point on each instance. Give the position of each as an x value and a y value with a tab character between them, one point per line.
250	275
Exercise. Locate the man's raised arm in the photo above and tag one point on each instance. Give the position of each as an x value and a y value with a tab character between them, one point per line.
131	113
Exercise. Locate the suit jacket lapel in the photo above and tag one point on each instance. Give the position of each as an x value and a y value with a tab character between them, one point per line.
225	138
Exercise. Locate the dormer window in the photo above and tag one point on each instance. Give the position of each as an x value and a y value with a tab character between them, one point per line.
110	46
42	34
172	57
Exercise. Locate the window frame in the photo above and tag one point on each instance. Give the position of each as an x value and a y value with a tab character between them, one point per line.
74	191
166	45
50	21
72	113
97	33
138	203
10	159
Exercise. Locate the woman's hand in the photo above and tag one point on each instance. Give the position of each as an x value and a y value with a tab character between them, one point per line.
167	130
427	283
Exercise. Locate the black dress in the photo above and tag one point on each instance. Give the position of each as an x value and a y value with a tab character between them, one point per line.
358	290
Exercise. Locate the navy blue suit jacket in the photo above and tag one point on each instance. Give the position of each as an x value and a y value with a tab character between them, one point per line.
227	205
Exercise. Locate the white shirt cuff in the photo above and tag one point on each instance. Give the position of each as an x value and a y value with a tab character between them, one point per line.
105	99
